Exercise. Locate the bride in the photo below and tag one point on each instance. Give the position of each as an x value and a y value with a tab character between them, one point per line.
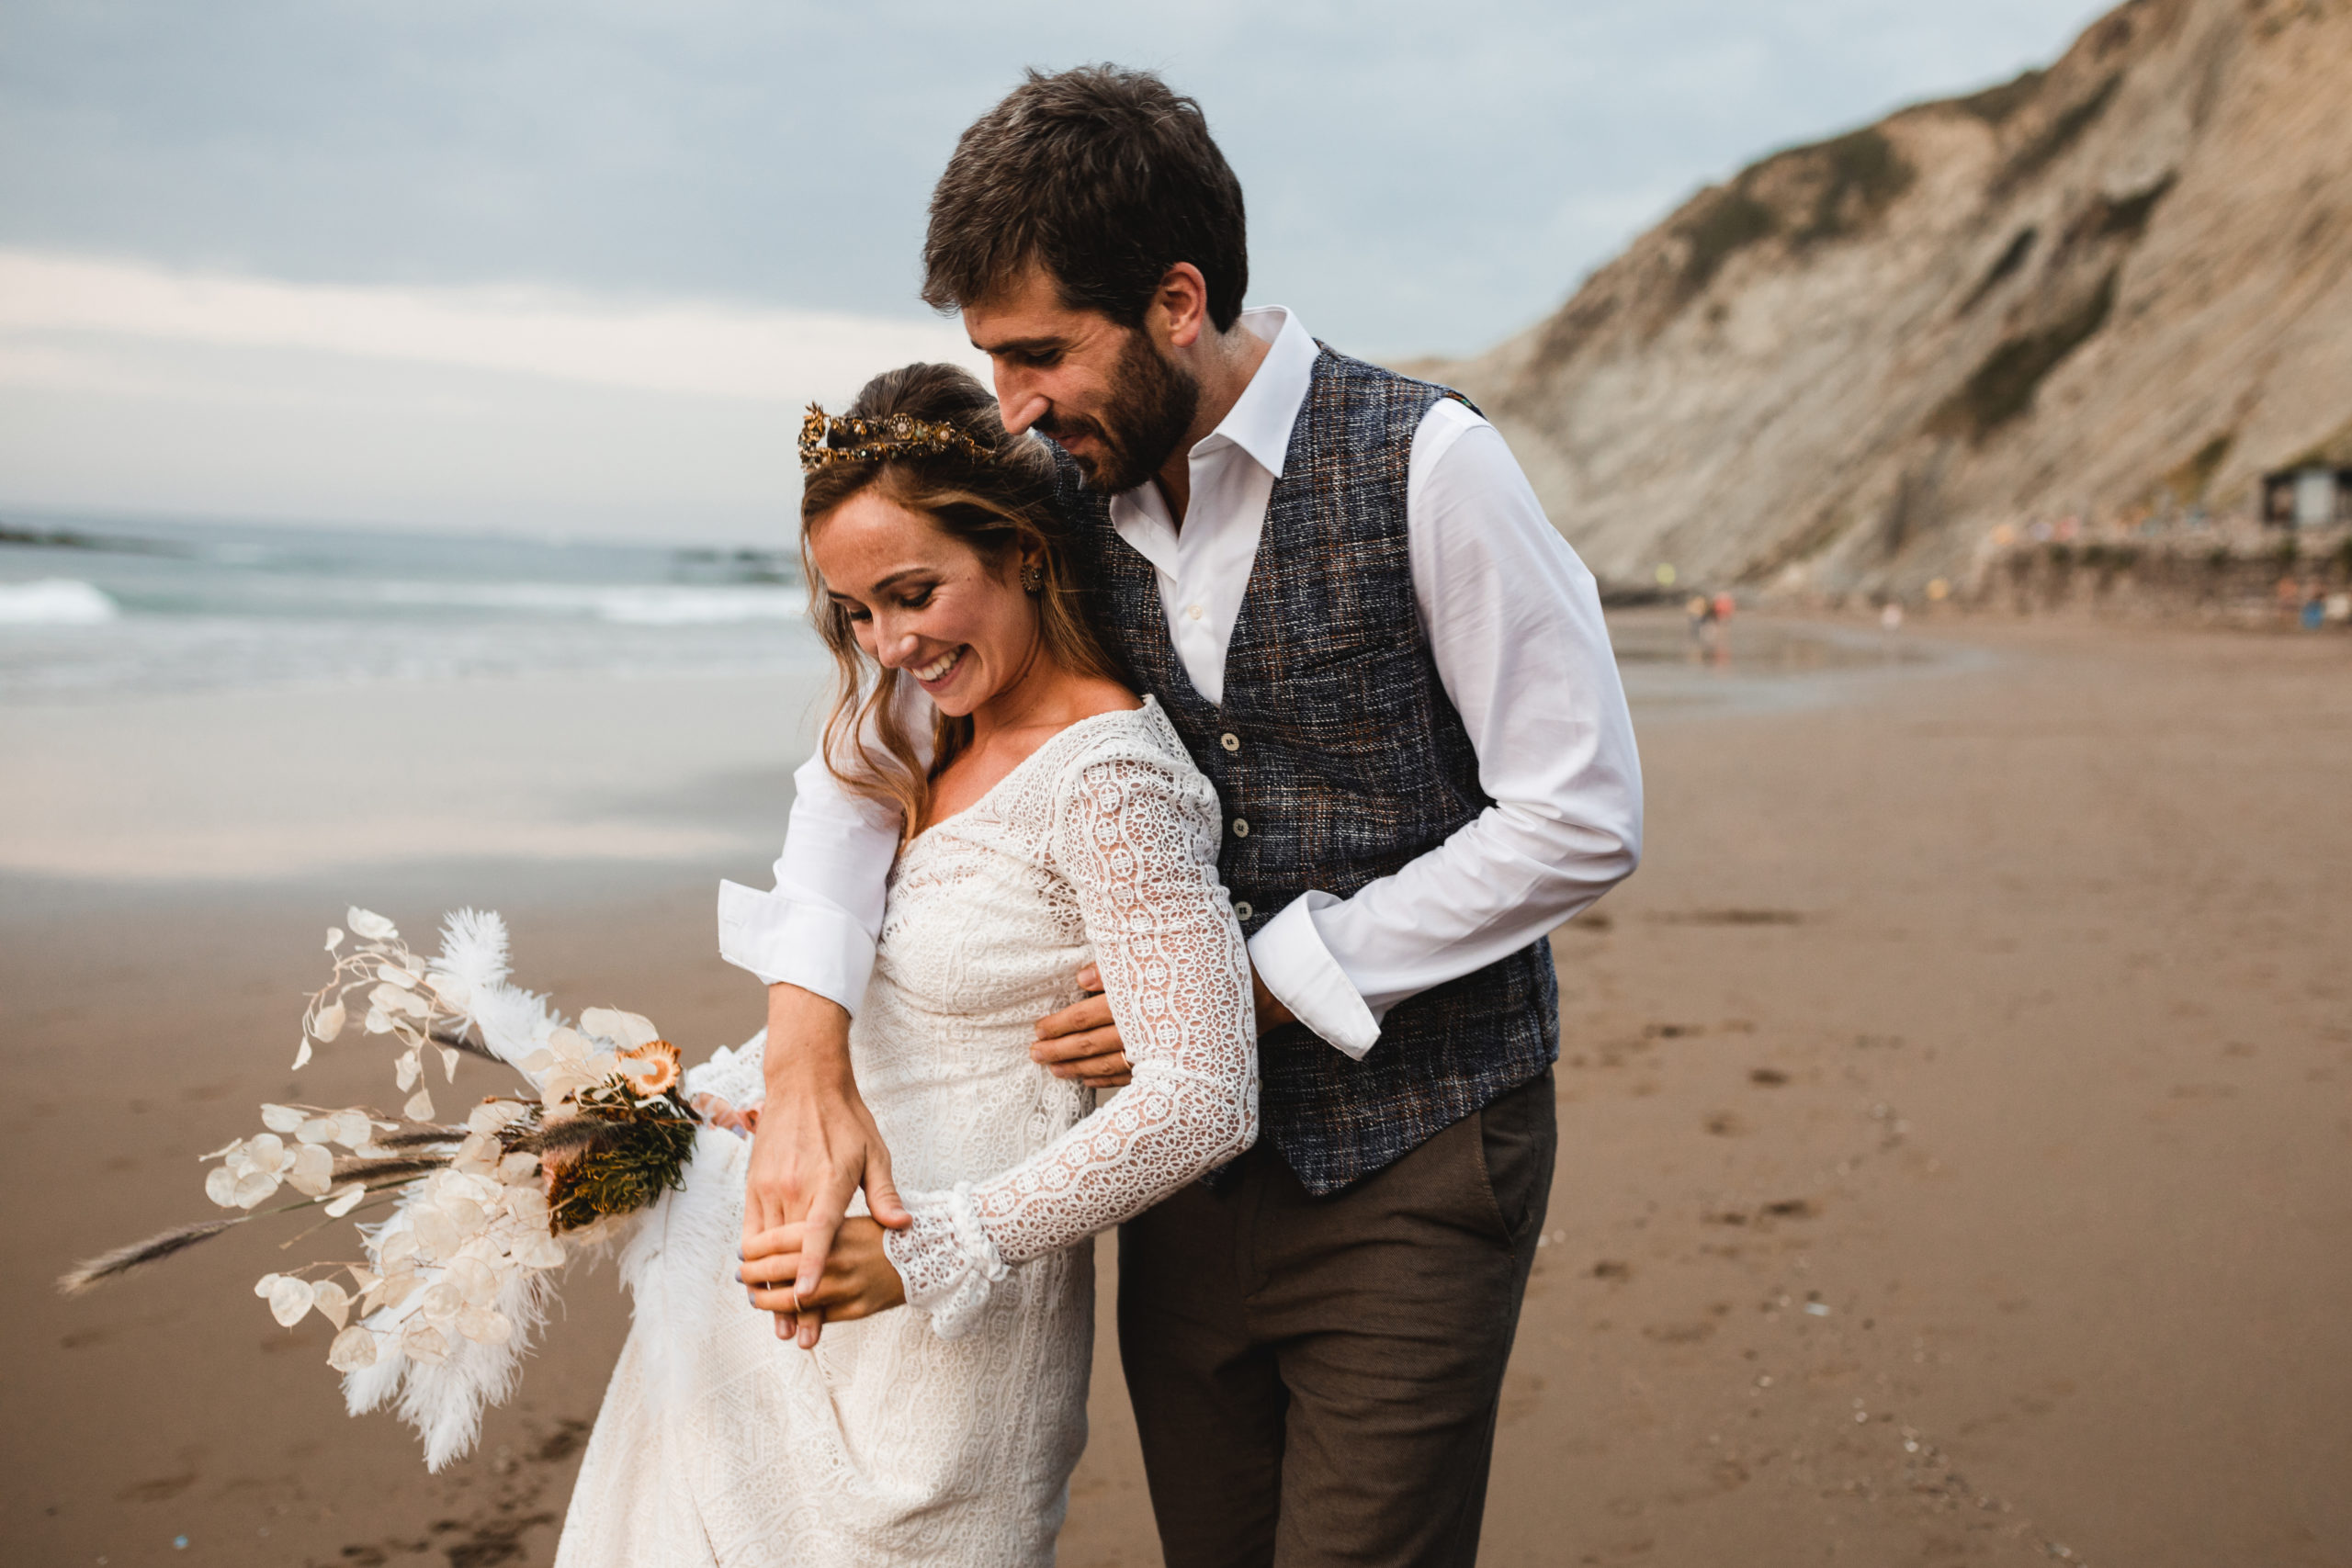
1057	822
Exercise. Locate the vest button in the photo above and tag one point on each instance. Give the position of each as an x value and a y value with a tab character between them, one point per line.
1229	740
1241	911
1241	827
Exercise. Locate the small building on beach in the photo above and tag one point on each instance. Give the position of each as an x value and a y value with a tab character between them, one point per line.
2310	495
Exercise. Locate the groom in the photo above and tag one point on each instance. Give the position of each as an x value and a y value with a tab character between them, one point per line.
1341	589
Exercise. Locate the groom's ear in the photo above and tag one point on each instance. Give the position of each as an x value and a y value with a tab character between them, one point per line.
1180	306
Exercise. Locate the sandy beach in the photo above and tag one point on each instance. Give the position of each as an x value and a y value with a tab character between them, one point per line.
1956	1108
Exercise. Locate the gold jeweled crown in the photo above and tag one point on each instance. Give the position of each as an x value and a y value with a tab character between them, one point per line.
873	440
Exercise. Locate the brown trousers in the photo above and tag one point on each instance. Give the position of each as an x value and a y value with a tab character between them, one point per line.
1316	1379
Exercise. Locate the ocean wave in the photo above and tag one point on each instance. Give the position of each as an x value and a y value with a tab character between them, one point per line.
157	654
640	606
55	602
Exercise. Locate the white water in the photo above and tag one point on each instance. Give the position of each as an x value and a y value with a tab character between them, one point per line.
131	609
626	606
55	602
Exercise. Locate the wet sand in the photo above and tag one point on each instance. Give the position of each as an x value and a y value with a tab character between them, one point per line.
265	784
1957	1148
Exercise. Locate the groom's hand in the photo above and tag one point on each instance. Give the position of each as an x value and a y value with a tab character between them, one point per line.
816	1143
1081	1042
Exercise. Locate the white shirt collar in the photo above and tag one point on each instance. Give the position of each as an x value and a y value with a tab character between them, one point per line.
1262	419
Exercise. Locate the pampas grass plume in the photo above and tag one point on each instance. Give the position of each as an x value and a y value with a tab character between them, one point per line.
93	1271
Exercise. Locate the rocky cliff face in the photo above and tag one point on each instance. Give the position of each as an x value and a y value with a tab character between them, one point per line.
2124	282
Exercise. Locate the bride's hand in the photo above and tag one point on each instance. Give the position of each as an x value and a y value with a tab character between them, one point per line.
719	1112
816	1143
858	1280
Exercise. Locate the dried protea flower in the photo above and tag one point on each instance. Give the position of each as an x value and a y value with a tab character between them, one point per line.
652	1068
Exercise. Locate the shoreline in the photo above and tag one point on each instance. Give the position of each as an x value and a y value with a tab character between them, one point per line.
270	783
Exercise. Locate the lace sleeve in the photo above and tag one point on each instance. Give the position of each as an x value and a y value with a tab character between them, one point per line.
738	1076
1137	842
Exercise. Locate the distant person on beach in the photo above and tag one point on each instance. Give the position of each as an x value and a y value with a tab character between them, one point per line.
1710	619
1719	613
1700	614
1354	747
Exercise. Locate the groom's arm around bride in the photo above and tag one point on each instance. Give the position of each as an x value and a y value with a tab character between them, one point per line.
1340	587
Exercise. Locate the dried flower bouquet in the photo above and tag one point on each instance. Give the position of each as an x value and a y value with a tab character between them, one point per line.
455	1278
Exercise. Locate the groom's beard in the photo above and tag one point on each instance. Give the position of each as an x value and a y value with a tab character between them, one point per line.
1151	407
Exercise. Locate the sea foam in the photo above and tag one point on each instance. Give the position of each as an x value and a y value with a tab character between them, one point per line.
632	605
54	602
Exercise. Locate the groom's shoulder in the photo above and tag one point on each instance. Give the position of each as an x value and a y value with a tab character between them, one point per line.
1379	383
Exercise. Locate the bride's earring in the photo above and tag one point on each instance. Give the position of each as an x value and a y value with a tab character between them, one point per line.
1033	578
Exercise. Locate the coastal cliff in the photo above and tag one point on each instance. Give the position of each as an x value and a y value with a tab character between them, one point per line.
2119	287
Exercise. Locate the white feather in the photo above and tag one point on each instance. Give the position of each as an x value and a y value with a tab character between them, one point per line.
372	1386
444	1403
474	947
680	1243
369	1387
515	1024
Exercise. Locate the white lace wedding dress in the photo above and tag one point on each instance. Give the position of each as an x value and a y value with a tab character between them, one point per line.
945	1432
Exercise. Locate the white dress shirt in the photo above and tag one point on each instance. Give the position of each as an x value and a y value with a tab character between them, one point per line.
1513	621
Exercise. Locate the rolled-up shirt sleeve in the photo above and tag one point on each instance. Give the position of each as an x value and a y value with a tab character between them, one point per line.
1515	628
818	929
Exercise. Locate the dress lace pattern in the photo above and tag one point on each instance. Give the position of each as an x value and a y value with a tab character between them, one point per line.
946	1433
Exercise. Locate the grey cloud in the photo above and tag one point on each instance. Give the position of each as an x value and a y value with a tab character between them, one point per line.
1422	177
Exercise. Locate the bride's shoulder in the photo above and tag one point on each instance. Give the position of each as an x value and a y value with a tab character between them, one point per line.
1117	739
1096	697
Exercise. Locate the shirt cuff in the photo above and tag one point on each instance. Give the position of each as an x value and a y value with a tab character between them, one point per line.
1290	957
782	941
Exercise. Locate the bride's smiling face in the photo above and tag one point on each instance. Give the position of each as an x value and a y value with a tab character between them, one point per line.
921	601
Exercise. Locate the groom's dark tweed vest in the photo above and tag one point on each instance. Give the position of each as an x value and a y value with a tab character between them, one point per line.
1346	760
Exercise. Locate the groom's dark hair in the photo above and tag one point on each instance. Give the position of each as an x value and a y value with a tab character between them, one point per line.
1106	178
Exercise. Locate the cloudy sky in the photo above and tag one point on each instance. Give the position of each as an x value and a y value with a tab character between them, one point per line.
570	265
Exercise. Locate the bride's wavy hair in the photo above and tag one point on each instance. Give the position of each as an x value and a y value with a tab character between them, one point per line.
996	496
